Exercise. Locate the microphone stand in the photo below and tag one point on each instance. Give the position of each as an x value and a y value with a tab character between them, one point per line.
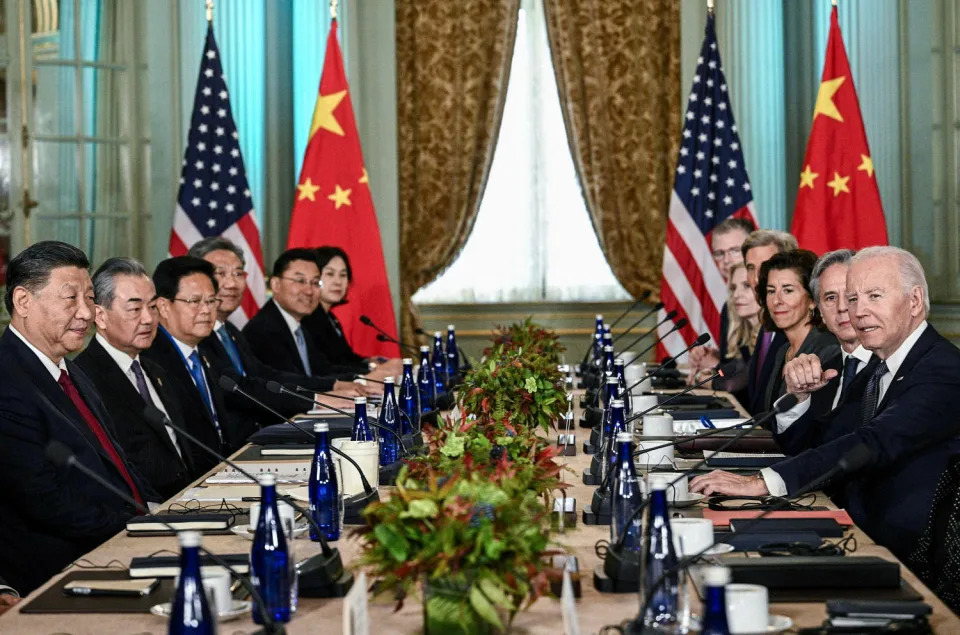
382	337
465	364
855	459
589	373
322	575
61	455
656	308
353	506
643	296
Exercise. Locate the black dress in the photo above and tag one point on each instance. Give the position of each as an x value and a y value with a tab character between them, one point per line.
324	328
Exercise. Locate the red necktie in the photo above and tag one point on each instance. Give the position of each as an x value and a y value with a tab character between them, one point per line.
71	389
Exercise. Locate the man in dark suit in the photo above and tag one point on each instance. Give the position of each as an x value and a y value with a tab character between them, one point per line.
795	429
52	515
227	340
8	597
126	318
902	407
186	302
758	248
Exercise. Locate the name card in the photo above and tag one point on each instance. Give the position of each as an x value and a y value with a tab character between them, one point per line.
356	609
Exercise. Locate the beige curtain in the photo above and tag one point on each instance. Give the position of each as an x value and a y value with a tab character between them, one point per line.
453	65
617	65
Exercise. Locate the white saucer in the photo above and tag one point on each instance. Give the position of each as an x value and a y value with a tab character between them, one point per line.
719	549
777	624
691	499
239	608
244	531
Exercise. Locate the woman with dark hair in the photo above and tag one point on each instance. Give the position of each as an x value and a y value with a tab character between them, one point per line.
787	306
322	324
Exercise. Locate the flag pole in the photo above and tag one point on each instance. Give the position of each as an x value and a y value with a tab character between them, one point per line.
333	9
209	11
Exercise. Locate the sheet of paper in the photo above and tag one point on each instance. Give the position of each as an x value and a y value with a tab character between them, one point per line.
287	472
568	606
356	609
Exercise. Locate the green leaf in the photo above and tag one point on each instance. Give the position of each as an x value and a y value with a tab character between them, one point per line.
421	508
504	440
496	595
394	542
484	609
530	384
454	446
493	549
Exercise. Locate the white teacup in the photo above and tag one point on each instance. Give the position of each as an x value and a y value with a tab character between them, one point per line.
216	585
661	457
634	372
694	534
747	608
675	491
644	402
658	424
287	515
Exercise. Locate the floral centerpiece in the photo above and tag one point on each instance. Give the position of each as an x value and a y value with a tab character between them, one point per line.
527	335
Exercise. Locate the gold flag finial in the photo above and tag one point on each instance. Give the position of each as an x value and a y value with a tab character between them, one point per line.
209	10
333	9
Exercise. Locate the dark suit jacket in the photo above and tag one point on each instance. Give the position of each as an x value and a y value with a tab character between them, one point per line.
258	374
804	432
272	343
146	444
823	344
238	417
49	515
757	382
913	436
328	337
724	327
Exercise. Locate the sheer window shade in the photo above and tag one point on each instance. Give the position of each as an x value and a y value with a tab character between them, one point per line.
532	240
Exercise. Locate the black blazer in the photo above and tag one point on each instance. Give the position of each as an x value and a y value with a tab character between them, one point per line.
257	374
272	343
913	436
328	337
147	444
823	344
50	515
757	382
238	418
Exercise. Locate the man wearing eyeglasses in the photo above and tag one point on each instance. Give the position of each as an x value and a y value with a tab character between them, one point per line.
275	334
187	305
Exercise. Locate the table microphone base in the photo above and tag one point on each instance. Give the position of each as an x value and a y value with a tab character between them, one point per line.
353	507
592	475
388	473
620	572
412	441
324	577
567	444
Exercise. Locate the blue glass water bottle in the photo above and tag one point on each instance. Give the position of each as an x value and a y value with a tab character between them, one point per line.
715	579
608	368
626	497
453	353
598	338
323	487
425	384
439	362
409	399
389	419
659	556
191	611
269	557
618	370
617	426
609	394
362	430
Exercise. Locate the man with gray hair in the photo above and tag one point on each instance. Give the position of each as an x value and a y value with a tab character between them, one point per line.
901	411
126	319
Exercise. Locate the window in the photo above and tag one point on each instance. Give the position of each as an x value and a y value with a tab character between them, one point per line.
532	239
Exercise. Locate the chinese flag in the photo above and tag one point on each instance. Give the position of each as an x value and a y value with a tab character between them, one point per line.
333	206
838	203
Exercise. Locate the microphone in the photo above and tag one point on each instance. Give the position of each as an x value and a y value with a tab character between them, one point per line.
381	337
681	323
62	456
278	388
643	296
353	505
656	307
727	369
321	575
853	460
702	339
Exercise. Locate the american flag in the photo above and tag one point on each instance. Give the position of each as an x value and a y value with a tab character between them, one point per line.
710	185
214	197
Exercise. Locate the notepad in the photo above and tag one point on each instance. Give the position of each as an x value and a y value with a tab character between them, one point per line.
292	472
169	566
742	459
154	523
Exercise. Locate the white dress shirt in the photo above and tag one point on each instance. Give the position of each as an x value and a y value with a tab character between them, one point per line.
773	481
292	323
53	369
125	362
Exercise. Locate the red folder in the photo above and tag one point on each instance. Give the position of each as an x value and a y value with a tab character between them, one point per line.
722	518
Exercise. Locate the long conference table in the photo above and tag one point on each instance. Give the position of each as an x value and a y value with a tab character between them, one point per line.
595	609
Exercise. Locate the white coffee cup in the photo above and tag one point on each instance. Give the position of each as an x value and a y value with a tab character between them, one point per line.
675	491
634	372
287	515
695	535
661	457
658	424
367	455
644	402
216	585
747	608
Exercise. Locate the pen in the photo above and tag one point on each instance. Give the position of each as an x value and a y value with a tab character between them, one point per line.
705	420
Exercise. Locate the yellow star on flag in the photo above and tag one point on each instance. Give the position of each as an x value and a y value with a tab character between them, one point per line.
866	165
825	105
323	113
807	177
365	178
340	197
839	184
307	190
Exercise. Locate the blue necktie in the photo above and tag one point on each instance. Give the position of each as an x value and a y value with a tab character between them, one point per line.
871	395
232	351
302	348
196	371
849	372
